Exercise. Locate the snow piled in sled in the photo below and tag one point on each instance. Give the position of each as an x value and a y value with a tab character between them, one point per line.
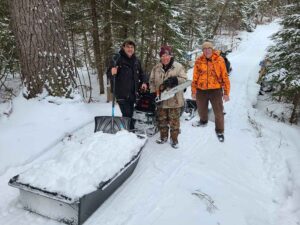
80	166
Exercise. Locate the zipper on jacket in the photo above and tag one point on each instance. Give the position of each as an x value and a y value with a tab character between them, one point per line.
207	73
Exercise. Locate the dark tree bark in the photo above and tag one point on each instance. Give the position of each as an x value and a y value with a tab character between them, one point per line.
107	44
43	50
220	18
108	38
96	45
295	113
126	17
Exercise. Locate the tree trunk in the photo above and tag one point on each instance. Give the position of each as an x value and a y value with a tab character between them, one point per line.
219	21
108	38
108	42
295	114
96	45
43	50
86	50
126	17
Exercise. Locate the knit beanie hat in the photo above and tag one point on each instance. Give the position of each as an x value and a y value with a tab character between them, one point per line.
128	41
165	50
207	44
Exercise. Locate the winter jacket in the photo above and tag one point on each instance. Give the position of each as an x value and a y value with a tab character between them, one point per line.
159	75
210	74
128	78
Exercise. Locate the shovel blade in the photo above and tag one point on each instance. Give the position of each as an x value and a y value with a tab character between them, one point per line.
109	124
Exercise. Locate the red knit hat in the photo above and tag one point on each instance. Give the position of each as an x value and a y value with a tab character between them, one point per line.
165	50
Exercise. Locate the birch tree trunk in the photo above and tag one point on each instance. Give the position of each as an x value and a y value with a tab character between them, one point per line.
43	51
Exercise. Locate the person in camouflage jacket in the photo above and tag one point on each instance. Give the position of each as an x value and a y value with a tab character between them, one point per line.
168	73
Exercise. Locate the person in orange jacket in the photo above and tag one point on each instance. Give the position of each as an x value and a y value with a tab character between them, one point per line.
210	84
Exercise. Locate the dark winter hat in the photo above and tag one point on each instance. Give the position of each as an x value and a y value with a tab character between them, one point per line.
128	41
165	50
207	44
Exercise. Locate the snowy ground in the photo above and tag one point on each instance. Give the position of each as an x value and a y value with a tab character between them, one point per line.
251	179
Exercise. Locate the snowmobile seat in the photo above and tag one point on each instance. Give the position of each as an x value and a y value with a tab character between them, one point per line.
146	102
144	113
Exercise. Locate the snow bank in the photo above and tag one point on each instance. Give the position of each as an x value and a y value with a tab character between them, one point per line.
79	167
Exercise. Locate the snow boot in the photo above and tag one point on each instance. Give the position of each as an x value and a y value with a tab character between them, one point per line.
161	140
220	137
199	123
174	144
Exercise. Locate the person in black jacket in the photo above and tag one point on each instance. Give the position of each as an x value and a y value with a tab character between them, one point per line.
129	74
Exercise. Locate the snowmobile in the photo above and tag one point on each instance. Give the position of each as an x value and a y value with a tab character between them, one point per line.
190	108
144	113
145	108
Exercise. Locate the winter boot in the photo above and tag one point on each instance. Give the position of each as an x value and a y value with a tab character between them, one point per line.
174	138
199	123
220	136
164	133
161	140
174	144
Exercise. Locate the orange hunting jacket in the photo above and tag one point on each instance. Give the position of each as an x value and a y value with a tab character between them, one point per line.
210	74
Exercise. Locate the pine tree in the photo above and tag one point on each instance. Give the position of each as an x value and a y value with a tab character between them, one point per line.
8	56
248	12
43	50
193	30
284	72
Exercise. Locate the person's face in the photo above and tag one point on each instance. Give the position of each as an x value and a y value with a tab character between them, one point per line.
129	50
207	52
165	59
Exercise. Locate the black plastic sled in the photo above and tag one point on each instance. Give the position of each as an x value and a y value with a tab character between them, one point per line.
63	208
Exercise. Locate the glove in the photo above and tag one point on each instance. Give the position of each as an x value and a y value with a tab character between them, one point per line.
152	95
170	82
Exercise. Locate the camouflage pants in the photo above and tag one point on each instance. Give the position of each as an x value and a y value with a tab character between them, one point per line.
169	118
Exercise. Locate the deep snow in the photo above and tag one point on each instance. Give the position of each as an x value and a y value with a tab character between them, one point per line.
81	164
251	179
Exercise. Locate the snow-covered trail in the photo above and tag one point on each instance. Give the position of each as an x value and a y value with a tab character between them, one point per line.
160	190
234	177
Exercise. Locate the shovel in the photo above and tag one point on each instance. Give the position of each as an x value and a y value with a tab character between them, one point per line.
112	124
